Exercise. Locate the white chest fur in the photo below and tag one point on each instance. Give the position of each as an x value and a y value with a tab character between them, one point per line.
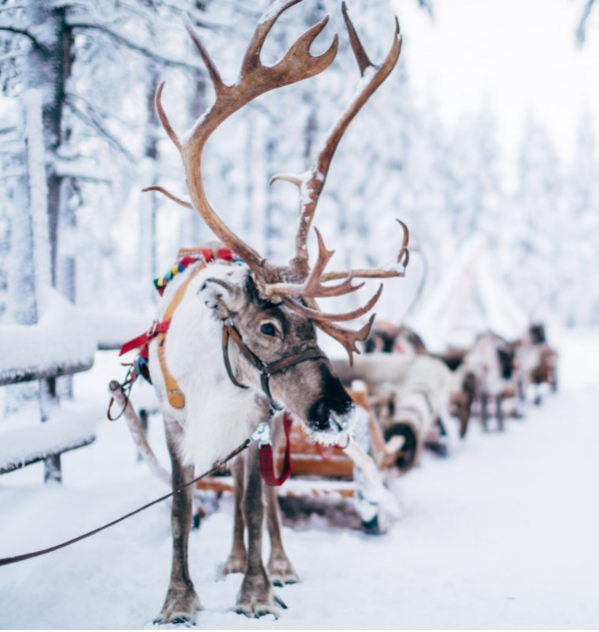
218	415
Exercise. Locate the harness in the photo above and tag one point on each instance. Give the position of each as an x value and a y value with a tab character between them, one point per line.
265	369
175	395
177	398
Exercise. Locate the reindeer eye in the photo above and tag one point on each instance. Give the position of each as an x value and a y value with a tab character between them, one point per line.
268	329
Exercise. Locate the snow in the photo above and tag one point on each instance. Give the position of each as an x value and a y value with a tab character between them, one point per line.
273	11
66	337
501	534
469	283
111	329
69	427
61	339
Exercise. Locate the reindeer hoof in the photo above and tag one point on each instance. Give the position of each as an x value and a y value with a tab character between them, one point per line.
255	610
230	567
182	621
281	572
181	611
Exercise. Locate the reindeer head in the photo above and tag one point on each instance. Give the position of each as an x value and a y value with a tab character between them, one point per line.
273	309
276	337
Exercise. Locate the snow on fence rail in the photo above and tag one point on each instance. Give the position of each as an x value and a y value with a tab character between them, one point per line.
61	343
69	430
46	337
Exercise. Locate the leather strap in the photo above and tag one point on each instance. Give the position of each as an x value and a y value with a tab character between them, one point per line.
225	347
265	369
267	467
174	394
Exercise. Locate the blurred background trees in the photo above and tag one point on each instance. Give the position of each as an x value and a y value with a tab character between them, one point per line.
98	65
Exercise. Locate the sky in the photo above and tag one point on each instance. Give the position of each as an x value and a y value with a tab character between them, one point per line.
520	56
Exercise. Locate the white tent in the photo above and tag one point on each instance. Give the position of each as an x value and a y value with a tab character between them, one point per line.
468	300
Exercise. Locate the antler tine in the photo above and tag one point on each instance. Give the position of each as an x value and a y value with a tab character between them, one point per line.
359	52
316	314
347	337
298	52
404	245
213	72
164	118
396	270
255	79
312	185
312	286
168	194
251	58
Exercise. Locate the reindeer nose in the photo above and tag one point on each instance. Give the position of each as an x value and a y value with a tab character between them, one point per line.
319	416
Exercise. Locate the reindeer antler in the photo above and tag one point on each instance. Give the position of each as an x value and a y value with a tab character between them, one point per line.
296	285
310	186
255	79
396	270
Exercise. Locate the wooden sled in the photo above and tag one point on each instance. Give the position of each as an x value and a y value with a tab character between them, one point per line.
319	472
328	475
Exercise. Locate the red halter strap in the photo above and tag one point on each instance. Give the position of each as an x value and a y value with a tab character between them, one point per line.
267	466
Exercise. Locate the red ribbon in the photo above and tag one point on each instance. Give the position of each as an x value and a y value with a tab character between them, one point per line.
267	466
143	340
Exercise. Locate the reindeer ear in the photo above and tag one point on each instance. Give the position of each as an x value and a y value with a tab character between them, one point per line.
223	296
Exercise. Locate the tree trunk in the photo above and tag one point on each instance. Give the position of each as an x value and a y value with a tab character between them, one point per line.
48	68
149	202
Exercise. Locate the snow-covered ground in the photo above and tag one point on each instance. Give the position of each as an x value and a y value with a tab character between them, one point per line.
502	534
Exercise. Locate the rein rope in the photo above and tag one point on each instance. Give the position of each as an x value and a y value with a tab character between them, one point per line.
261	434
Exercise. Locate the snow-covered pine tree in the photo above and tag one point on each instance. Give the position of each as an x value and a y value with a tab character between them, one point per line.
532	220
92	136
577	300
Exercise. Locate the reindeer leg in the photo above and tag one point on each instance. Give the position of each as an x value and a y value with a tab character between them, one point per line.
500	416
256	597
279	567
469	395
237	560
484	411
182	603
538	395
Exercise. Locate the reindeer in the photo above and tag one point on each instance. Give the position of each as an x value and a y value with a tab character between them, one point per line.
240	338
537	362
410	396
491	363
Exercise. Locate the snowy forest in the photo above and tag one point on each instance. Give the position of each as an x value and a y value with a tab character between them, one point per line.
183	439
96	66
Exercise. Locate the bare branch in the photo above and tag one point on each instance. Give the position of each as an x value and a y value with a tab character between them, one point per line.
13	54
11	7
100	111
143	50
18	31
582	27
198	20
89	118
427	5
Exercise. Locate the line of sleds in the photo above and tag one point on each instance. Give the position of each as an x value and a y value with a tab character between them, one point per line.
408	400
